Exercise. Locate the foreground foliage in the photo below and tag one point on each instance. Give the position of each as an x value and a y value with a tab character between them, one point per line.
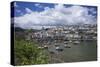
27	52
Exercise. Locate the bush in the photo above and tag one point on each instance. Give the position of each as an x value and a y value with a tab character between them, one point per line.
27	52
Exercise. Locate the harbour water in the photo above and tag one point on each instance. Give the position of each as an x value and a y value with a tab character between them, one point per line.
84	51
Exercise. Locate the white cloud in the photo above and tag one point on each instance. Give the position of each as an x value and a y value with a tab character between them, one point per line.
15	5
38	5
19	11
28	10
93	10
55	16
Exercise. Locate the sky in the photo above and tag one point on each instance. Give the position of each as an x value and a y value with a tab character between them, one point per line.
30	14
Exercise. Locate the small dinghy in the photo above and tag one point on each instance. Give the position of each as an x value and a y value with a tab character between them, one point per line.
59	49
67	46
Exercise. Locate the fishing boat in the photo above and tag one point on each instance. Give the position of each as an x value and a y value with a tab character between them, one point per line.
45	46
65	42
59	49
56	45
70	41
67	46
76	42
40	47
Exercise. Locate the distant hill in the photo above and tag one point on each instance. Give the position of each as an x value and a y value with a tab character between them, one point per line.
18	29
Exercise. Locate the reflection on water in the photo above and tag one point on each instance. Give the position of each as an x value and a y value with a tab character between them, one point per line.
84	51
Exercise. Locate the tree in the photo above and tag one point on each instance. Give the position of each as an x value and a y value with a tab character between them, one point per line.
27	52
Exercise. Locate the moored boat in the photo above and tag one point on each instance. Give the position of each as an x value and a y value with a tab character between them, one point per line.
67	46
76	42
